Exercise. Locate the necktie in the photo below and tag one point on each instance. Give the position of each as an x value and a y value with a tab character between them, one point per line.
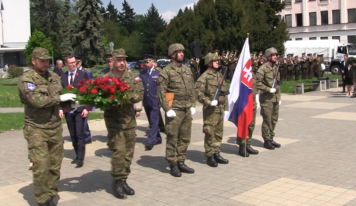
71	78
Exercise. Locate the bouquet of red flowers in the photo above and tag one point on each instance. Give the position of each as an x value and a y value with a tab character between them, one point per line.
103	92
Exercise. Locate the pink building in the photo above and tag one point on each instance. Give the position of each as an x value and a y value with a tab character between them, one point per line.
321	19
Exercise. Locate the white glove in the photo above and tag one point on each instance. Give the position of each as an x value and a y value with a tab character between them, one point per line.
192	109
214	103
258	106
273	90
67	97
258	101
280	102
171	113
226	113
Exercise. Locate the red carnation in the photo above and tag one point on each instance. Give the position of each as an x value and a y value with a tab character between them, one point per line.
76	74
94	91
69	87
112	90
116	81
122	88
112	97
81	90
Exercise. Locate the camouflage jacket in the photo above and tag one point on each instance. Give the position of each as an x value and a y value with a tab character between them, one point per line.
41	99
123	116
296	64
264	82
179	81
206	87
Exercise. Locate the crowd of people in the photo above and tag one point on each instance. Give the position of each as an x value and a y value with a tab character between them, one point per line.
171	88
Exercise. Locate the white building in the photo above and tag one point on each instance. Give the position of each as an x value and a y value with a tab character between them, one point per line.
321	19
15	31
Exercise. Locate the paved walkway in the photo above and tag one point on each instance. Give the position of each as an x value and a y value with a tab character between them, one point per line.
315	166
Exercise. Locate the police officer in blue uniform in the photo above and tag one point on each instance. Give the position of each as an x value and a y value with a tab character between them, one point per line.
109	61
149	79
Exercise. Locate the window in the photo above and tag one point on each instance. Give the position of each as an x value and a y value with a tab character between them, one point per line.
323	1
351	39
298	0
312	18
299	19
341	49
312	38
336	37
336	16
288	2
324	17
289	20
298	39
351	13
323	38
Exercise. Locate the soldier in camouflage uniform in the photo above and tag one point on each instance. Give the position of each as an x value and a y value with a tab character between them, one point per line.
194	66
245	145
213	110
289	67
120	122
296	68
267	78
304	63
39	90
312	66
232	64
177	98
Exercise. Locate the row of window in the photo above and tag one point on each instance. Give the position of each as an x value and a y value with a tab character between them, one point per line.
289	2
350	39
351	14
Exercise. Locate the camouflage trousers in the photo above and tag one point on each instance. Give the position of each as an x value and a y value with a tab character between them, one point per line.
213	129
122	143
178	130
251	127
269	112
46	153
304	73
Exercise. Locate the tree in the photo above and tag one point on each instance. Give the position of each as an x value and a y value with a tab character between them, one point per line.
66	33
37	39
154	24
44	17
87	39
113	12
127	16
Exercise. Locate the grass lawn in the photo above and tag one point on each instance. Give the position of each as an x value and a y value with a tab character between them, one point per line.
14	121
9	96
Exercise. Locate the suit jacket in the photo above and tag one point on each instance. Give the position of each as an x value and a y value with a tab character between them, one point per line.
79	75
150	84
90	75
347	72
58	71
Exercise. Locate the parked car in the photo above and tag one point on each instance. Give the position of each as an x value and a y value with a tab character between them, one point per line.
161	61
131	65
140	65
163	64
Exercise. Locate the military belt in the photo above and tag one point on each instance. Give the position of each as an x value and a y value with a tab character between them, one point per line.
181	98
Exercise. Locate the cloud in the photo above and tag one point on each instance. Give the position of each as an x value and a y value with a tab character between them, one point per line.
168	15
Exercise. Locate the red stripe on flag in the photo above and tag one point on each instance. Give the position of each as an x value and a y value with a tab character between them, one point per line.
245	118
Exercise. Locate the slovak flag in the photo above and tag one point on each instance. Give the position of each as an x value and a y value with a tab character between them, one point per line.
241	96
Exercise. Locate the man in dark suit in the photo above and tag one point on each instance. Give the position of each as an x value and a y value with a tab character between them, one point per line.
75	118
149	79
58	68
343	70
109	61
87	132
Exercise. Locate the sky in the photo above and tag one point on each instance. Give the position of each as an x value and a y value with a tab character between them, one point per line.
167	8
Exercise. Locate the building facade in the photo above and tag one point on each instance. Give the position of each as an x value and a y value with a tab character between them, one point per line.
321	19
15	31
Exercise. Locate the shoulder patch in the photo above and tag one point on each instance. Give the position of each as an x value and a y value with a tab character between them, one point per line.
31	86
137	79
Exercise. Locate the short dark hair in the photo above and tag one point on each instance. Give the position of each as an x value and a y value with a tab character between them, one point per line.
69	57
346	55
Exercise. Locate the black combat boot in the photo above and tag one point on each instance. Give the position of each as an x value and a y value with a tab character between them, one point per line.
220	159
127	189
250	150
118	189
184	168
175	170
48	203
242	151
268	144
275	144
211	161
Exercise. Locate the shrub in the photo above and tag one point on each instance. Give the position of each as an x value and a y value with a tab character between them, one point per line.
15	71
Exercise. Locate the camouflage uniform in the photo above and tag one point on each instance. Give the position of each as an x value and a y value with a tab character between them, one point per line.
42	127
289	68
296	68
305	64
194	66
269	102
232	65
312	68
120	122
213	115
179	81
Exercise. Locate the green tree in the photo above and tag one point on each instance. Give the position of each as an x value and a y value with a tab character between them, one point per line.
127	16
66	32
37	39
113	12
87	39
154	24
44	17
